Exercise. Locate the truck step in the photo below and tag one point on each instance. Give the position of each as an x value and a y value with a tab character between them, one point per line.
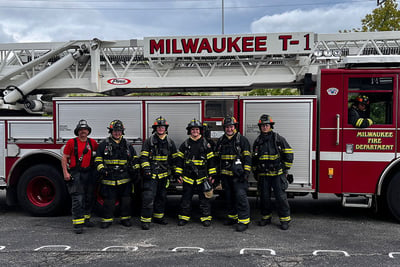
3	184
357	201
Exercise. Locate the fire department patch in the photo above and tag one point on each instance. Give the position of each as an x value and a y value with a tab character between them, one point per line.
332	91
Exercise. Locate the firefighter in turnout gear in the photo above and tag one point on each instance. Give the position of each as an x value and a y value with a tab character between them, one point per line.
272	158
118	166
195	167
80	178
233	152
157	160
359	112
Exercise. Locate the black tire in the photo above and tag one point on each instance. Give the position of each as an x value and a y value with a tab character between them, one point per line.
393	196
41	191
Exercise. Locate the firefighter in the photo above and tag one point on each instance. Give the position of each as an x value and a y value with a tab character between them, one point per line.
118	166
272	158
359	112
157	160
79	174
195	168
233	152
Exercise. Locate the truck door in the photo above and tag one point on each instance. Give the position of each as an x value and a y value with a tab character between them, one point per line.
367	151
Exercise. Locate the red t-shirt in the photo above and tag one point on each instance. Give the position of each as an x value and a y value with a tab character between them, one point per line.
69	150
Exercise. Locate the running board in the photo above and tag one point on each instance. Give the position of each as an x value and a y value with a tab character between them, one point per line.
357	201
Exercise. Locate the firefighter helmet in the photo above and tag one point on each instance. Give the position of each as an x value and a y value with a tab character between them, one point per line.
194	123
229	121
116	125
266	119
362	99
82	124
160	121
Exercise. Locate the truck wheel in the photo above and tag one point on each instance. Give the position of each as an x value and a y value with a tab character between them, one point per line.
393	196
41	190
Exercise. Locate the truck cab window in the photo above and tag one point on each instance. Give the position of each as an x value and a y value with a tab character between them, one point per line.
371	98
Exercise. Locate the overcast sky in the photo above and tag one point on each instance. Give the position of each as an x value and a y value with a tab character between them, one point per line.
64	20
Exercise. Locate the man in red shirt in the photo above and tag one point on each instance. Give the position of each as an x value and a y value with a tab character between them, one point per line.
78	173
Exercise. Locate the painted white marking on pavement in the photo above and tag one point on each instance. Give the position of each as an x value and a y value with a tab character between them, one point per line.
315	253
393	253
178	248
53	246
132	248
255	249
2	247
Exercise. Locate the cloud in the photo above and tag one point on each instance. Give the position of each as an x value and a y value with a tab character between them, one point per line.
319	20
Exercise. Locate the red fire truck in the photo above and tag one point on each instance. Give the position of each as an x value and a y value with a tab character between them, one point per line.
330	70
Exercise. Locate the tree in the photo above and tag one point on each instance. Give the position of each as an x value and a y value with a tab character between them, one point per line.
384	18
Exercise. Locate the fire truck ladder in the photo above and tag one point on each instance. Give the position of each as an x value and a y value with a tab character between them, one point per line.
120	67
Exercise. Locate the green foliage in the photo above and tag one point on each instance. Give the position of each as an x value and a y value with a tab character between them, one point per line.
274	91
384	18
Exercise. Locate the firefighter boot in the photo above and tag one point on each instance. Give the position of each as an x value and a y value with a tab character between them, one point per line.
264	222
182	222
229	221
241	227
126	223
105	225
284	225
88	223
206	223
145	225
160	221
78	228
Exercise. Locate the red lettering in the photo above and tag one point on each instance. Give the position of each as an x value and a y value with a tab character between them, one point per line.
189	46
204	45
157	46
285	39
247	44
175	49
168	45
260	42
215	45
233	44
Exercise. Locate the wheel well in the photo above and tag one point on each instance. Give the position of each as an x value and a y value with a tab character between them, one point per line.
30	160
386	178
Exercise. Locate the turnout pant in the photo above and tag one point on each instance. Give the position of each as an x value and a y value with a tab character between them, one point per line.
112	193
278	184
81	190
186	202
236	198
154	198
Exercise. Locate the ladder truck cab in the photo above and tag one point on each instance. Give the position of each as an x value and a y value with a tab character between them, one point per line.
358	162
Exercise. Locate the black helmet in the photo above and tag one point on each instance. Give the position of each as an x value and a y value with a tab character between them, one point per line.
362	99
194	123
82	124
230	121
116	125
266	119
160	121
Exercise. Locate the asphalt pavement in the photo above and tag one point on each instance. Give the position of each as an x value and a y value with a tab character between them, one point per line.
322	233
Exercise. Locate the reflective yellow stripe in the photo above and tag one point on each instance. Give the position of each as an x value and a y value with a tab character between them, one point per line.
178	170
115	161
226	172
244	221
212	171
98	159
78	221
144	153
269	157
266	217
210	155
87	216
145	164
246	153
285	219
160	175
247	167
271	173
158	215
100	166
107	220
187	180
115	182
287	150
180	154
125	218
182	217
233	217
208	218
174	155
160	158
228	157
142	219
